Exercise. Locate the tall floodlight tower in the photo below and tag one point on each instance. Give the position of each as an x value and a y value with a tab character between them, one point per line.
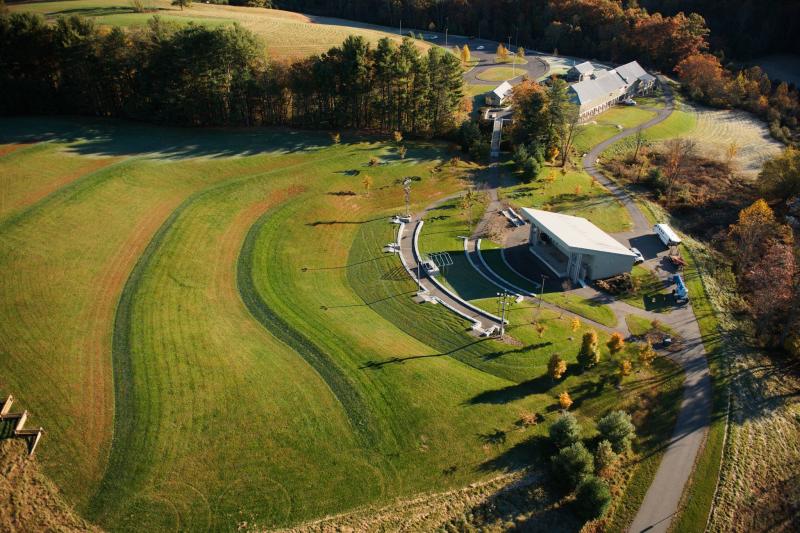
407	191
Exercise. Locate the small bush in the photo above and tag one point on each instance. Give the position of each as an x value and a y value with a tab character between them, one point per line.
589	354
565	431
616	343
571	465
618	429
556	367
564	400
605	459
592	498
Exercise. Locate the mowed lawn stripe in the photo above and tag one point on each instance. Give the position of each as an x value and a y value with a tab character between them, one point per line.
66	260
356	408
27	176
142	394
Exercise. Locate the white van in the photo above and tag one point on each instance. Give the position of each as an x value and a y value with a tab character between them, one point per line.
667	236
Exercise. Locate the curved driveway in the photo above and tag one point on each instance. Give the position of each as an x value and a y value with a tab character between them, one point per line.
663	498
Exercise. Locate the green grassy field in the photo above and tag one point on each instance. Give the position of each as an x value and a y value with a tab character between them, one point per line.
499	74
207	328
605	126
573	193
287	35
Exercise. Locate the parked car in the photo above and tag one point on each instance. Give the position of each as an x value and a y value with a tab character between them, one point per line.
680	292
629	101
639	258
432	37
481	47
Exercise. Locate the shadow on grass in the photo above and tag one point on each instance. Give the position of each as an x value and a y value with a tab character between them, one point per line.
401	360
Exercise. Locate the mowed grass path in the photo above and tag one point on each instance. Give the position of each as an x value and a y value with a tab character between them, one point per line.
219	303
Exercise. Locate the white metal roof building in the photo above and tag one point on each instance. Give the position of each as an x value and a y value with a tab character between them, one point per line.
604	88
581	71
572	247
499	93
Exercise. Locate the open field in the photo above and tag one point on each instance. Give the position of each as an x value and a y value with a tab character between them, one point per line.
608	124
287	35
714	131
573	193
206	327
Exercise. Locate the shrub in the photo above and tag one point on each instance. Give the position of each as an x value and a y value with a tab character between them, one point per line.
373	161
479	150
556	367
336	137
592	498
530	170
402	151
625	367
618	429
398	137
572	464
520	156
646	353
589	354
605	459
616	343
564	400
468	133
565	431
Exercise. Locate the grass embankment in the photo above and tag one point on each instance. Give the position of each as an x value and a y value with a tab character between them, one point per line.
573	193
246	399
287	35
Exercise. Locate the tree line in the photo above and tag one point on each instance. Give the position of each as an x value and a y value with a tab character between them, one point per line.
619	31
196	76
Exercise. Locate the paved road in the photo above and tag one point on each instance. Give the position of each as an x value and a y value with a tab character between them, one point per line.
481	49
662	500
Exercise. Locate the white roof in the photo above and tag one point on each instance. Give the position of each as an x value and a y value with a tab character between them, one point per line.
584	68
608	82
666	230
576	232
502	90
631	72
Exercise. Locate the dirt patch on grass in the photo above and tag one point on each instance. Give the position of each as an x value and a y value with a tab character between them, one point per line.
11	148
95	407
93	166
29	501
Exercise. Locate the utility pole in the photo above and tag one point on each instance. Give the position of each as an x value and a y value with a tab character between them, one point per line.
516	38
407	191
401	27
509	42
541	291
502	298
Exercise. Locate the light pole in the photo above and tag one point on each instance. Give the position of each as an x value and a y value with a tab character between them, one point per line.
502	298
401	27
541	291
407	191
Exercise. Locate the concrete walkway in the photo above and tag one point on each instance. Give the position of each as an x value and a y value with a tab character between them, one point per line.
411	257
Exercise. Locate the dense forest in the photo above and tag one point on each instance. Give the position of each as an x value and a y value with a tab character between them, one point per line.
195	76
743	28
